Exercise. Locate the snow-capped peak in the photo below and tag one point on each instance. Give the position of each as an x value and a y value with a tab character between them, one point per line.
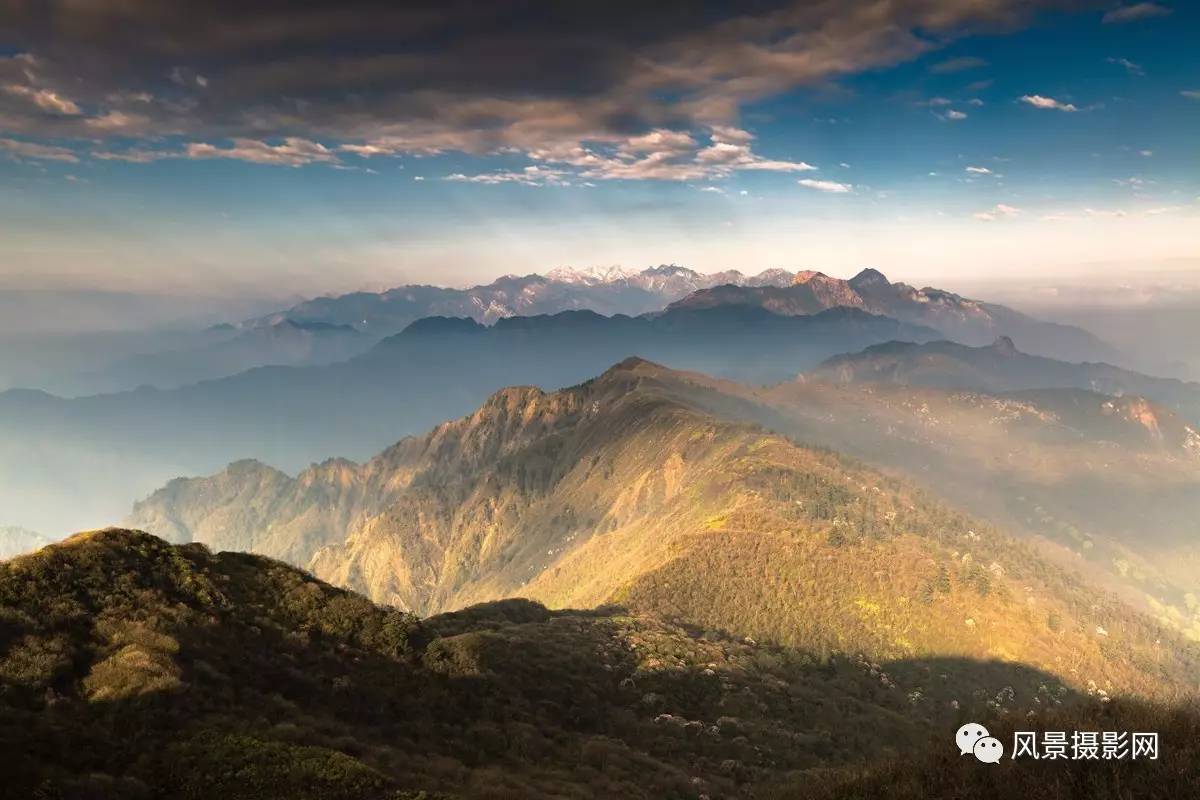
589	276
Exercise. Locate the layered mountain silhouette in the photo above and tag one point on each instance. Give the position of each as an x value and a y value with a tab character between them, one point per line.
62	453
132	668
971	322
1001	367
227	350
605	291
327	329
631	489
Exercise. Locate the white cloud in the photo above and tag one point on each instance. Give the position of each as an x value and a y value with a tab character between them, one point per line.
980	171
667	155
1145	153
663	140
530	176
975	101
996	212
1039	101
137	155
43	152
955	116
293	152
826	186
1192	93
1135	12
731	135
117	122
45	99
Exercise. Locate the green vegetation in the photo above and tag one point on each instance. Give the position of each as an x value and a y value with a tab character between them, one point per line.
130	668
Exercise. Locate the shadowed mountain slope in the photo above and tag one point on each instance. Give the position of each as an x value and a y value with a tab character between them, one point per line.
130	668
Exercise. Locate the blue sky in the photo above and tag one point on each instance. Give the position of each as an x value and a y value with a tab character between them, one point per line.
936	145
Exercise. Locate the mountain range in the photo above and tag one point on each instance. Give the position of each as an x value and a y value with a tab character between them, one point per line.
328	329
971	322
606	291
714	609
60	452
566	497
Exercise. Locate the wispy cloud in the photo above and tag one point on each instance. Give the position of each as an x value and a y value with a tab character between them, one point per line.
1130	67
826	186
957	65
530	176
1040	101
292	152
1135	12
998	211
979	170
668	155
1192	93
46	100
43	152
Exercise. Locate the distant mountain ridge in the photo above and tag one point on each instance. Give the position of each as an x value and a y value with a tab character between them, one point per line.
1001	367
961	319
605	290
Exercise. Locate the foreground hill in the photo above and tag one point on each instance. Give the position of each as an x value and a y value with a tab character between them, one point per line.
130	668
58	453
1000	367
622	490
972	322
